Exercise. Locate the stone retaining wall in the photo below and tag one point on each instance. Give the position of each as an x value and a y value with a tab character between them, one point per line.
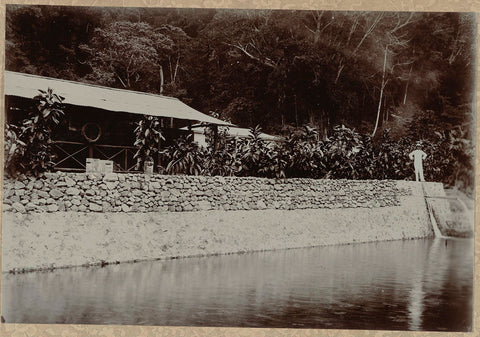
71	219
80	192
62	239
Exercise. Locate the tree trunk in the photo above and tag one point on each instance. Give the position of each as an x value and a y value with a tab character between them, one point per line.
406	86
176	69
339	71
296	112
171	71
363	101
385	112
385	106
161	80
381	91
325	124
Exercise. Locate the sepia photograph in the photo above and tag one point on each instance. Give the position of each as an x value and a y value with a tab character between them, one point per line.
247	168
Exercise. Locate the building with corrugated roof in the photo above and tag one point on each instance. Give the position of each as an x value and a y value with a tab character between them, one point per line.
99	121
230	131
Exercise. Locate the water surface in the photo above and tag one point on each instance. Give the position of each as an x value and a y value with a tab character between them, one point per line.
399	285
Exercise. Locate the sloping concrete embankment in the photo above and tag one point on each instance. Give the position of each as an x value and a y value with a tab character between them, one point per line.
61	239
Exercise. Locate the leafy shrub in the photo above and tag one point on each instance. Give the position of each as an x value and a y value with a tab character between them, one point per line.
345	152
30	144
147	138
451	160
303	155
14	149
259	158
183	157
221	155
226	160
390	160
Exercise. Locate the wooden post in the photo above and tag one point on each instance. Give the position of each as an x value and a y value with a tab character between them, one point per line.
126	160
215	138
90	150
159	160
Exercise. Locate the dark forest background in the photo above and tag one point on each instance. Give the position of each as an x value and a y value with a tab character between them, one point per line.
267	67
412	74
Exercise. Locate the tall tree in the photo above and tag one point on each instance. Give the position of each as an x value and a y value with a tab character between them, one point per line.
127	54
394	39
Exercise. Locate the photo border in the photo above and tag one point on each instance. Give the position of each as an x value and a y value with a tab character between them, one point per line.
151	331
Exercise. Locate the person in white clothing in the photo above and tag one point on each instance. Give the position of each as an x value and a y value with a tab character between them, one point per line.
418	156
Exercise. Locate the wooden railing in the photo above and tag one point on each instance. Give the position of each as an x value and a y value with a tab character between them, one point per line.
71	156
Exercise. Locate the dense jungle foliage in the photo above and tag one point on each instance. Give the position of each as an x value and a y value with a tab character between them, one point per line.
345	154
391	78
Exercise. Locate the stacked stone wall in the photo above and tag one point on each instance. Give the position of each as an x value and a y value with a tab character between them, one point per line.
81	192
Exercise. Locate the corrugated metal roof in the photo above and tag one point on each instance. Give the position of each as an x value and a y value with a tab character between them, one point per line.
112	99
235	132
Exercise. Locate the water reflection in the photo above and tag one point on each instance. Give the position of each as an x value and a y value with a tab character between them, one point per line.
402	285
